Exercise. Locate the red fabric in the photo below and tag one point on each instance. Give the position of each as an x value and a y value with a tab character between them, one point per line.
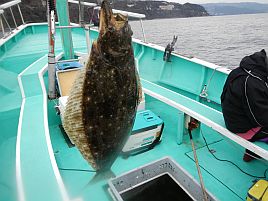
248	135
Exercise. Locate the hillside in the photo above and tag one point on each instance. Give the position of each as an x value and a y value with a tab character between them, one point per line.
161	9
235	8
35	10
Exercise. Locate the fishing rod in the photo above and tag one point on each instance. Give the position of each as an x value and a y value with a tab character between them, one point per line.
169	48
51	8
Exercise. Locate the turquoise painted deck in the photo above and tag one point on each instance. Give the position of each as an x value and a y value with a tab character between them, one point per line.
33	137
218	176
221	179
16	55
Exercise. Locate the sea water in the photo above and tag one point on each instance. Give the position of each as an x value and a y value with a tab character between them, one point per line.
223	40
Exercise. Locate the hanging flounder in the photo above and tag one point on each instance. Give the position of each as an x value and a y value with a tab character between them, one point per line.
101	108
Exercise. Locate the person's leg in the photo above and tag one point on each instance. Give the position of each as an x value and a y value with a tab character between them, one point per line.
249	156
262	135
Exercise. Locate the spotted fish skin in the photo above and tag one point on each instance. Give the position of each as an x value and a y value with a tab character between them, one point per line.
100	111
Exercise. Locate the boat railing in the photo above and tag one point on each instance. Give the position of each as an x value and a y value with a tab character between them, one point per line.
65	27
3	10
132	15
96	8
204	114
81	4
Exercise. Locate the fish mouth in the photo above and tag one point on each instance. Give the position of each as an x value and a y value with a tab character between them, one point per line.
108	20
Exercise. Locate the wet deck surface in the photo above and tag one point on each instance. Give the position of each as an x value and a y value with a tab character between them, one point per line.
224	180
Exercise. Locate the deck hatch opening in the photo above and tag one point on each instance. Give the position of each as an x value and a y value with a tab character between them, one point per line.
159	189
160	180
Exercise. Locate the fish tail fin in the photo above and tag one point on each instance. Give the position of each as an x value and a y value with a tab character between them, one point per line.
101	175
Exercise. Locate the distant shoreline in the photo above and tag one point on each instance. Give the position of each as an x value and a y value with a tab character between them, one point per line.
219	9
35	11
202	16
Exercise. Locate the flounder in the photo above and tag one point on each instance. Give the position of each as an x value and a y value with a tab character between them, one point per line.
101	108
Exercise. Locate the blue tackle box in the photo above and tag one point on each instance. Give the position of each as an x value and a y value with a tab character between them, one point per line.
68	65
146	132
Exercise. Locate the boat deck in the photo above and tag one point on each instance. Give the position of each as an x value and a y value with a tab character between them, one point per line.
222	179
16	55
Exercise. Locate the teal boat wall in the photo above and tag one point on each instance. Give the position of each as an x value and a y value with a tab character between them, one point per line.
182	75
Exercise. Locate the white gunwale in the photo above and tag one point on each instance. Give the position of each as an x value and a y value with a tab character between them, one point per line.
19	178
217	127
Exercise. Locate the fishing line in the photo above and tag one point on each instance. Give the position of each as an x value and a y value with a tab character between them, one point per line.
206	87
92	13
212	75
76	170
80	170
5	185
223	160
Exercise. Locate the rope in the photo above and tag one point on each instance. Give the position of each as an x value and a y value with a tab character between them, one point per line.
191	126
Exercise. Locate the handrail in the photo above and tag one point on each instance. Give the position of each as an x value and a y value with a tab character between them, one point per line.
207	115
83	3
95	7
130	14
9	6
1	23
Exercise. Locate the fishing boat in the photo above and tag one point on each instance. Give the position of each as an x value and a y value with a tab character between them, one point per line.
38	162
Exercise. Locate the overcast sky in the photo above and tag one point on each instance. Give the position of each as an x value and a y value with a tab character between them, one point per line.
218	1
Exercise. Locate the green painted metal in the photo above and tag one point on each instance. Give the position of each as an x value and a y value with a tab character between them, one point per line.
221	179
66	34
181	126
35	158
37	174
235	182
193	105
172	75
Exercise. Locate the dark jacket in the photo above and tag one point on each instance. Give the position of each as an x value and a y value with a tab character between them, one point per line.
245	94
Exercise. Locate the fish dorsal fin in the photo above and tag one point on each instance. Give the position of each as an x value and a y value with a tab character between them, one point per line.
73	120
